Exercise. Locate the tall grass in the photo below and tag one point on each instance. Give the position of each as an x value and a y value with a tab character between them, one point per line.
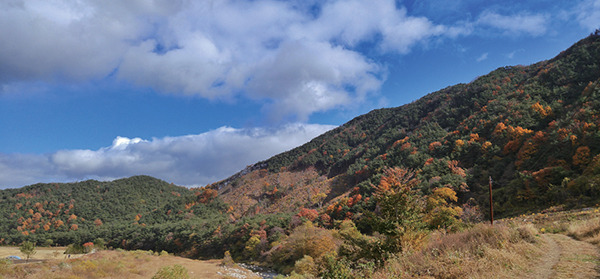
475	252
586	230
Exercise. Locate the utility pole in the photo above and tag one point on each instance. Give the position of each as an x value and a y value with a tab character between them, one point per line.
491	204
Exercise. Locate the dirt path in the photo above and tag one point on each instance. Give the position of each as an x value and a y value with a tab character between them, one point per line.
565	257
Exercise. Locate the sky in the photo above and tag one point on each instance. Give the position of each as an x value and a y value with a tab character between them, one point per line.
192	92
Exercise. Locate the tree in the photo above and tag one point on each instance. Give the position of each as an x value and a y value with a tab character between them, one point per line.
28	249
440	213
400	210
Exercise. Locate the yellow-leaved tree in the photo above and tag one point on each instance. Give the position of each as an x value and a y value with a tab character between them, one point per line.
441	213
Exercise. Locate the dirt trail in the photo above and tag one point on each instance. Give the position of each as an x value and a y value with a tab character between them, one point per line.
565	257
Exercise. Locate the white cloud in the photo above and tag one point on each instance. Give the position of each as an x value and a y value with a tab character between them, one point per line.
588	14
516	24
214	49
186	160
482	57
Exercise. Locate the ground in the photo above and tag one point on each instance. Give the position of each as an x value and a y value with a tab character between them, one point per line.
114	264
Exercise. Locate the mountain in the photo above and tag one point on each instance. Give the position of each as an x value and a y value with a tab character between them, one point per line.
135	213
532	129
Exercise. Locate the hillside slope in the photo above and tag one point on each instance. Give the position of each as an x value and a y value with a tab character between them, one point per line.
136	212
532	129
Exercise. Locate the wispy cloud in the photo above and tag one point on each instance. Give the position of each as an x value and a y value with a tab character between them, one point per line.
214	49
186	160
588	14
482	57
515	24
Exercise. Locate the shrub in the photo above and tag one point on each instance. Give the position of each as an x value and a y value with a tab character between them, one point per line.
527	232
172	272
304	240
306	266
227	260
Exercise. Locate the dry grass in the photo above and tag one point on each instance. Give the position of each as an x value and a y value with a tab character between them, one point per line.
115	264
474	253
586	230
42	253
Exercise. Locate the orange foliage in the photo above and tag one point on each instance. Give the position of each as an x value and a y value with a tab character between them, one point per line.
395	180
459	142
511	146
573	139
453	165
543	111
486	145
434	145
98	222
474	138
74	227
518	132
499	128
582	156
405	146
563	133
309	214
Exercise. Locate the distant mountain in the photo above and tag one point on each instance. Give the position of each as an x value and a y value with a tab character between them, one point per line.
533	129
136	212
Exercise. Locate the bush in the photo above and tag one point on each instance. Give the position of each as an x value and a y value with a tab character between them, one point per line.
227	260
527	232
306	266
171	272
304	240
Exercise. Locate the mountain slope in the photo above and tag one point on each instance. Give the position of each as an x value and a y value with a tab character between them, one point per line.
533	129
136	212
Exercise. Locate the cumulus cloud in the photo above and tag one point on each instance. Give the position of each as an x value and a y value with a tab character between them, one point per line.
515	24
214	49
186	160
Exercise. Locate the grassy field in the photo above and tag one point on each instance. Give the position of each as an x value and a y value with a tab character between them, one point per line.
42	253
115	264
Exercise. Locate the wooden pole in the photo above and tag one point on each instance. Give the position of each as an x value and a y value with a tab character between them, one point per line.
491	204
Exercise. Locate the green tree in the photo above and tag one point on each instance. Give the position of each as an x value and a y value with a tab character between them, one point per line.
400	210
28	249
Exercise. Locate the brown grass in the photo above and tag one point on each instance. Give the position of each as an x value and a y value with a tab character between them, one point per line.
116	264
474	253
42	253
586	230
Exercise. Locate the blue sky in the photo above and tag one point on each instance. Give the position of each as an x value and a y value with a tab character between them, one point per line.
193	91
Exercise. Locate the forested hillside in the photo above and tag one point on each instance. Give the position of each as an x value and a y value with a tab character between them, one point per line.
532	129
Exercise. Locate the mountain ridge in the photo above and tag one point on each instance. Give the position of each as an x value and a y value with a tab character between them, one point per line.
524	98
